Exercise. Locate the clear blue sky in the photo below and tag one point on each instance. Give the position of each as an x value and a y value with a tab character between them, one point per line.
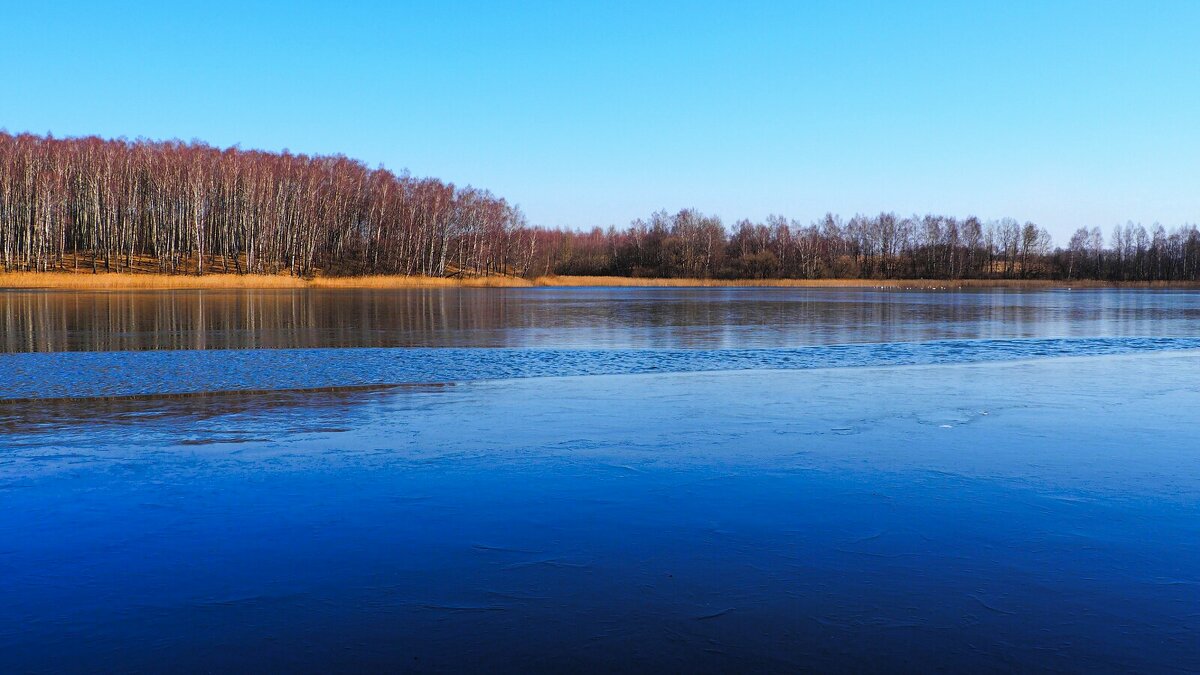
1066	113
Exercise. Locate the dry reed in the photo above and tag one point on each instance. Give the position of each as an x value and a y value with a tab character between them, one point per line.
118	281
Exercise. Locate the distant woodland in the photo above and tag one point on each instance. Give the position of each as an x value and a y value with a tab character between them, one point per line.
174	207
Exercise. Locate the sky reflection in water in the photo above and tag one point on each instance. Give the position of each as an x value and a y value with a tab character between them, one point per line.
969	516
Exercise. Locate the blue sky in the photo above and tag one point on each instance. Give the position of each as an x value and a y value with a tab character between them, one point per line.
1065	113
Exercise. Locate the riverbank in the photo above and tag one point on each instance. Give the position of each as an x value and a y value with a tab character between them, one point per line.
127	281
120	281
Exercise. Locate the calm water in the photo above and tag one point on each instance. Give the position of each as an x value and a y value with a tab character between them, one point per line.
583	318
549	480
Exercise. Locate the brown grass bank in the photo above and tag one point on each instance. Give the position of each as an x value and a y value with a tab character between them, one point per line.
117	281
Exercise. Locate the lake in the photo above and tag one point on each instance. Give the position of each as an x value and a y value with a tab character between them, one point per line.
517	480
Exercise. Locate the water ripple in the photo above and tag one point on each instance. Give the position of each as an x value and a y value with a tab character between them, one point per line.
116	374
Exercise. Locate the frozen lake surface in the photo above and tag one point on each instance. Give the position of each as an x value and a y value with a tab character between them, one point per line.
702	480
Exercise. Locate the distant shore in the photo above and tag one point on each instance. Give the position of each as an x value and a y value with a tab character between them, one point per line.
127	281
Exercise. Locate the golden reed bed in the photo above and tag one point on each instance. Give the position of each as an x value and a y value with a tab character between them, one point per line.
130	281
127	281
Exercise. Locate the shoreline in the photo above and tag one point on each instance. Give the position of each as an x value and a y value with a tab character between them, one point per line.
122	281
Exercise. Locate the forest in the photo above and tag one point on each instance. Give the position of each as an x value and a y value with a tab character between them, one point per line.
173	207
188	208
885	246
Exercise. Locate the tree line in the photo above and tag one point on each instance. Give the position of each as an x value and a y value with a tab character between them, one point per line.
690	244
174	207
179	207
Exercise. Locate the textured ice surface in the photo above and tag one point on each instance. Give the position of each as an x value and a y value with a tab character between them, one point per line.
997	516
101	374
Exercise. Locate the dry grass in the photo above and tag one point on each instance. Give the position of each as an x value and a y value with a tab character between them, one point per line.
118	281
399	281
